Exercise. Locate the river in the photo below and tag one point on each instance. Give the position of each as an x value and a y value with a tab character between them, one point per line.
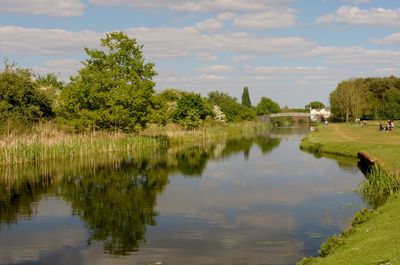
257	200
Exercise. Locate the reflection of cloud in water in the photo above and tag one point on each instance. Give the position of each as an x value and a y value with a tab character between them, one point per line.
270	220
44	233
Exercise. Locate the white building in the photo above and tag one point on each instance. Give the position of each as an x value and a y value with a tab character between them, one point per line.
320	114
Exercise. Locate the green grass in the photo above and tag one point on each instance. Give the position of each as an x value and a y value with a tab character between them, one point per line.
373	237
349	139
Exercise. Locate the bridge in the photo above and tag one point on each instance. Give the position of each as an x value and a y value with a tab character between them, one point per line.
295	115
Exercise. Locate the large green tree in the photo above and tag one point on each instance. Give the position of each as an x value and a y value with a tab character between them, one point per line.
267	106
114	88
246	102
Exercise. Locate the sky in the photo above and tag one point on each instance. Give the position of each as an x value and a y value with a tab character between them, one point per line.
293	52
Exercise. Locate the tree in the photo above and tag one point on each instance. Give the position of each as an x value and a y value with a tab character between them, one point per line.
114	88
20	98
246	97
232	109
391	106
315	105
267	106
165	104
348	100
51	87
192	110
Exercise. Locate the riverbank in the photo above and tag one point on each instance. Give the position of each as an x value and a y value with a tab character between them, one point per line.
46	142
374	235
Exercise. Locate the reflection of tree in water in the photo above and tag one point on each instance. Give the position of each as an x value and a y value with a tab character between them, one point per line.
115	199
17	199
267	144
117	204
192	161
244	145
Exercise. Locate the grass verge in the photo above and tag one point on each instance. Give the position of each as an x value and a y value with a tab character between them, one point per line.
374	235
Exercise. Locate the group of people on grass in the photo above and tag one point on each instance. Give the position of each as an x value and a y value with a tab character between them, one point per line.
389	126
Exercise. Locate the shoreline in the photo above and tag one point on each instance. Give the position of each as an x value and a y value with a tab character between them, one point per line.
373	234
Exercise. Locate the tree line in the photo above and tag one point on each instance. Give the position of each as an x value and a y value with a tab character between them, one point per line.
114	90
366	98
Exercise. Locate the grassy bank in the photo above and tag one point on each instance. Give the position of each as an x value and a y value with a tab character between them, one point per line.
373	237
45	142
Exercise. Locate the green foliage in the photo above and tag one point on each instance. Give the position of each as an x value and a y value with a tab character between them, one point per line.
379	183
192	110
373	97
391	104
164	105
315	105
267	106
51	87
21	100
233	110
114	88
246	97
361	217
330	245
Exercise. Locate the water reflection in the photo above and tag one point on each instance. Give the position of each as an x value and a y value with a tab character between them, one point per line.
250	200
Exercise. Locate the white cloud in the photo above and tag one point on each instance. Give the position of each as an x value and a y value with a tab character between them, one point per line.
326	19
357	16
284	70
355	56
210	25
216	68
162	42
35	41
268	19
214	24
43	7
197	6
205	56
391	39
355	2
158	42
243	58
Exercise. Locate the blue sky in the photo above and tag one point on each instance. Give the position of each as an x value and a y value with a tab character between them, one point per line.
291	51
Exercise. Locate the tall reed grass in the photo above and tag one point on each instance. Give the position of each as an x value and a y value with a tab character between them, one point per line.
45	143
379	183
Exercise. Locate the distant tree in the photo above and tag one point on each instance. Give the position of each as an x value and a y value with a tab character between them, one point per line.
164	105
348	100
113	90
315	105
391	106
232	109
267	106
52	87
20	98
49	80
192	110
246	97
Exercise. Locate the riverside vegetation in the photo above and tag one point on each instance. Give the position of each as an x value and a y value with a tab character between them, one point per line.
374	235
107	107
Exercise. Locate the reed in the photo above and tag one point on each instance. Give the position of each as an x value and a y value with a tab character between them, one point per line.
45	143
379	183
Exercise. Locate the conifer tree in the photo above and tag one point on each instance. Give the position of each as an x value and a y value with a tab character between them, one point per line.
246	97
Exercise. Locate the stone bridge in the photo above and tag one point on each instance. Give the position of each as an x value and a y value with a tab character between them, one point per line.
295	115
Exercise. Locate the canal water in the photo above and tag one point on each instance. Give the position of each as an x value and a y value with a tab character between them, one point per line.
254	200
